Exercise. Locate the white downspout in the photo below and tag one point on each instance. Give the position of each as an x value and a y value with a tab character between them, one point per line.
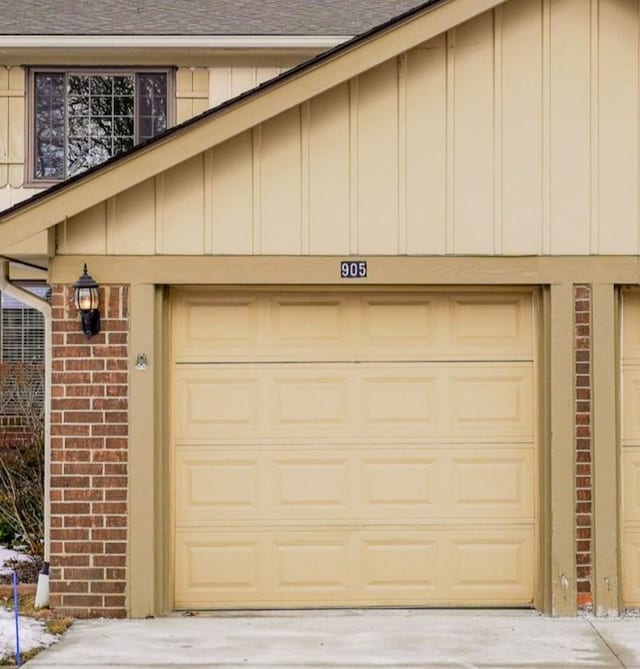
41	305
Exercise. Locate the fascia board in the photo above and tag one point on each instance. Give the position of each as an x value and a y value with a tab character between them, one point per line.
171	41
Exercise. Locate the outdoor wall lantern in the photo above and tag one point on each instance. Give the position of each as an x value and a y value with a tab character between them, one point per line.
87	301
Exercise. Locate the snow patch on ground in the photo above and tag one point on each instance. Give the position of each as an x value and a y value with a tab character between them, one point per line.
33	634
7	554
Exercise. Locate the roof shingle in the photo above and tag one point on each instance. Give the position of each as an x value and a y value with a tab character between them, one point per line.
198	17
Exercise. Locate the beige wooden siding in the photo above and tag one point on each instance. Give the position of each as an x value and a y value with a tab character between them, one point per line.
630	460
515	133
12	135
192	92
227	82
353	449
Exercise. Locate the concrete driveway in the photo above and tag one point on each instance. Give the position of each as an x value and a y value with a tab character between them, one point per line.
354	638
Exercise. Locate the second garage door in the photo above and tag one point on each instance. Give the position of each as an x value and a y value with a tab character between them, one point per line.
353	449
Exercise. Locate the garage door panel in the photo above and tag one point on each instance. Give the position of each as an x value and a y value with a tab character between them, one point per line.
353	485
474	401
344	568
350	326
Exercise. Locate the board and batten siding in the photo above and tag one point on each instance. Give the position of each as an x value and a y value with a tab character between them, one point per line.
515	133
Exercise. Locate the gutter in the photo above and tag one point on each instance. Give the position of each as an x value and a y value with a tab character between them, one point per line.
172	41
37	303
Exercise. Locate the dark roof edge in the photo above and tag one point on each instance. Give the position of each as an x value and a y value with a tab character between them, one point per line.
224	106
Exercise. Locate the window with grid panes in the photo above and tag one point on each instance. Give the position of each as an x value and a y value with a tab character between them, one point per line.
81	119
22	343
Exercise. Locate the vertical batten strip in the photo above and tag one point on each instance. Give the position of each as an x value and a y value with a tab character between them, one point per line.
353	166
497	131
207	205
403	65
450	151
546	127
305	177
594	234
638	135
159	212
4	127
256	141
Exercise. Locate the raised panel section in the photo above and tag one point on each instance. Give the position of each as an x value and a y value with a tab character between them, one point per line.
495	325
215	566
209	485
399	565
631	569
305	399
631	412
631	328
311	564
205	404
401	400
491	564
207	325
631	486
491	401
318	483
396	483
491	483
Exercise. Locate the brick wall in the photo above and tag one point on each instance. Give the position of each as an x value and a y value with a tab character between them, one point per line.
89	426
584	524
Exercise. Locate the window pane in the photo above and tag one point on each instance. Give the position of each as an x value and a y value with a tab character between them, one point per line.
83	119
49	126
152	105
100	110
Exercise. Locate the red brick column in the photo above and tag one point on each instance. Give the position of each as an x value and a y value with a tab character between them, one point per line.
89	428
584	519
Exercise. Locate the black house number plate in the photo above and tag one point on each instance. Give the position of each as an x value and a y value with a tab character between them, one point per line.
353	269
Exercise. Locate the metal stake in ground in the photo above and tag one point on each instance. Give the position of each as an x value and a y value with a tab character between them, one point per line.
15	611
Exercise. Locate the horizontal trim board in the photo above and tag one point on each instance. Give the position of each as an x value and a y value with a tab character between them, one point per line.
171	41
325	270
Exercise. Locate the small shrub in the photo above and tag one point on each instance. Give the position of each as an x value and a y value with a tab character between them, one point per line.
7	533
22	454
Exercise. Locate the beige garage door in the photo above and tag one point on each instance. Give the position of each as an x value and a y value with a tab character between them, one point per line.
353	449
631	449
